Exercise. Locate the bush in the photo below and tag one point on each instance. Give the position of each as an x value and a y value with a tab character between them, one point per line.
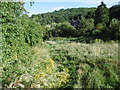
65	30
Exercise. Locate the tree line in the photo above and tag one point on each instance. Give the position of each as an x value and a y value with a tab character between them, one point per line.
95	23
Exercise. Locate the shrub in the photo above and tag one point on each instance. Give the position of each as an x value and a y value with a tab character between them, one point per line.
65	30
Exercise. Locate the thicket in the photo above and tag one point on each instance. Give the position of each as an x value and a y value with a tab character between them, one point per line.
24	63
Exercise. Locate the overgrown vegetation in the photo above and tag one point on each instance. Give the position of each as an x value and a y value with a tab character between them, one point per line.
63	49
94	65
26	65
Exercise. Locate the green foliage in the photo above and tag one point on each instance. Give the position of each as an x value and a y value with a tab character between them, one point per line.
65	30
10	11
33	31
25	65
28	64
17	30
115	29
90	15
100	26
61	15
85	26
91	23
101	31
35	69
102	14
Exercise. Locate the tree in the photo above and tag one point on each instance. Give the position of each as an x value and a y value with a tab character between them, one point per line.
77	17
90	15
102	14
114	12
114	29
62	15
59	19
85	27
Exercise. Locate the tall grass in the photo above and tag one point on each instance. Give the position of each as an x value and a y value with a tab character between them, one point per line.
93	65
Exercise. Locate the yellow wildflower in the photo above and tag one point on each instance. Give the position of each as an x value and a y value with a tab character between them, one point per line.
52	62
40	75
66	70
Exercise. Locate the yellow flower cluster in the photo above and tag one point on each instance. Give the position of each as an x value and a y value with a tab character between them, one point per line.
39	75
63	78
66	70
47	68
51	62
46	71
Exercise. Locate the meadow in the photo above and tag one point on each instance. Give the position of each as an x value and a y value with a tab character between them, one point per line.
51	51
90	65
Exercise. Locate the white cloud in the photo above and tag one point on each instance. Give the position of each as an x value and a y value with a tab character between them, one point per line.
57	8
71	0
98	2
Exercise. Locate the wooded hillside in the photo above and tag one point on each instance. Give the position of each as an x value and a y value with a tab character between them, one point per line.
62	15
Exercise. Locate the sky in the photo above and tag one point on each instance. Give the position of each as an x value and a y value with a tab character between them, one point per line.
44	6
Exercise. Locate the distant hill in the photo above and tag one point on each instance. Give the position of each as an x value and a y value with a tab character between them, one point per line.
61	15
